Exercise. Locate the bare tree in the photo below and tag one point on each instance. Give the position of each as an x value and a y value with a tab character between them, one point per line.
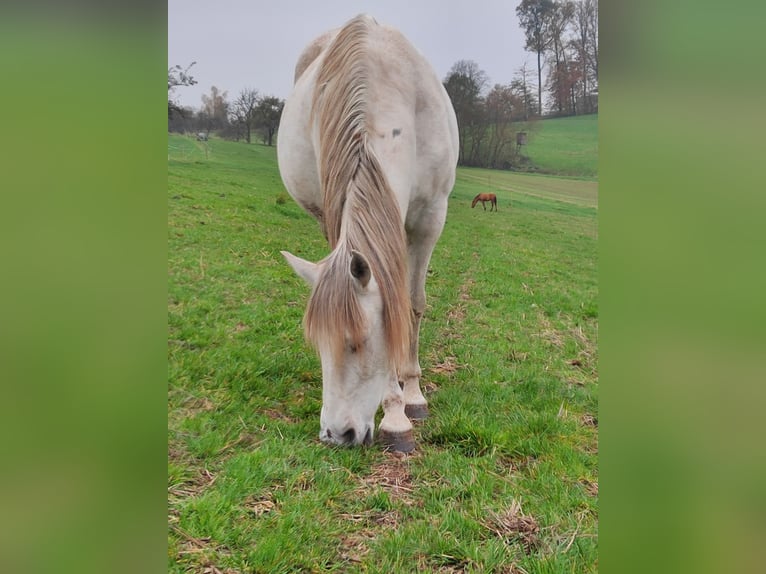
243	111
523	91
502	105
215	109
591	45
533	18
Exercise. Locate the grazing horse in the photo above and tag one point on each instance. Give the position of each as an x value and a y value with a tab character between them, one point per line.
483	197
368	145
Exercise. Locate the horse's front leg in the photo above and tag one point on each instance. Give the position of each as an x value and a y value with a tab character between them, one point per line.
419	255
395	428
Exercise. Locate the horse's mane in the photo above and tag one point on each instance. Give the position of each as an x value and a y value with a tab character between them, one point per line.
361	212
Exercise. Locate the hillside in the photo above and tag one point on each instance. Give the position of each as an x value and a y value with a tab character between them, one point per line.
564	146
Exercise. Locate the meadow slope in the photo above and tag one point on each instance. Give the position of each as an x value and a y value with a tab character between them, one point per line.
564	146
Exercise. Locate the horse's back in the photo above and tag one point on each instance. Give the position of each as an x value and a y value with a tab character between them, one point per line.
415	125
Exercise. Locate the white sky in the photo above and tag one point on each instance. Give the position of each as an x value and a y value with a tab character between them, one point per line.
255	43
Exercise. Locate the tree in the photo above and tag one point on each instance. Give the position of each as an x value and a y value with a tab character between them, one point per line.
268	112
521	88
243	111
534	16
503	106
178	76
181	120
560	77
215	109
465	83
585	44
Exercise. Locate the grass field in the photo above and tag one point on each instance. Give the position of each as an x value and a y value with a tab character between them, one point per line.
505	475
565	146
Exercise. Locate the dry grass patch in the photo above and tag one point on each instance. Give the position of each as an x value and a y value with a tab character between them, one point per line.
355	546
200	554
456	313
446	367
547	332
277	415
393	476
191	488
513	525
589	420
590	487
260	505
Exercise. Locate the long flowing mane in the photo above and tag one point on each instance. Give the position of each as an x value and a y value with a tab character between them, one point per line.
361	212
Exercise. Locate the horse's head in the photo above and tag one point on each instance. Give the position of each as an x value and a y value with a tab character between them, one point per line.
344	320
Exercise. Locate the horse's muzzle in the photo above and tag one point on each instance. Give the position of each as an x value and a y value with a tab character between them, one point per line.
347	437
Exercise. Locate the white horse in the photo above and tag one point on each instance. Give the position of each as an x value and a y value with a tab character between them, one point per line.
368	145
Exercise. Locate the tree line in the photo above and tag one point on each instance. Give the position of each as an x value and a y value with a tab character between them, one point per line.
489	121
563	35
493	122
249	114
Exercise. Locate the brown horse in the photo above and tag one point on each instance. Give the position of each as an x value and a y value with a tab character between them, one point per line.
483	197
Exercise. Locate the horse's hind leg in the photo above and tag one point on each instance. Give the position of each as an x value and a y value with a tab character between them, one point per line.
416	406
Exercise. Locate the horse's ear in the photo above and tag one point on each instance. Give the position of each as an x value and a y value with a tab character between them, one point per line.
360	269
306	269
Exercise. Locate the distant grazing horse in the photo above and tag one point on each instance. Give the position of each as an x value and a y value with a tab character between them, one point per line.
484	197
368	145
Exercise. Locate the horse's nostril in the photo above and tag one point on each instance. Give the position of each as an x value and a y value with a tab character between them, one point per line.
349	435
367	437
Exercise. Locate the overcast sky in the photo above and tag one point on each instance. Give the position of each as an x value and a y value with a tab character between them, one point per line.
255	43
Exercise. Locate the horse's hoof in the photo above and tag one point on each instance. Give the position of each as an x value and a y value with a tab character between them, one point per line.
416	412
398	441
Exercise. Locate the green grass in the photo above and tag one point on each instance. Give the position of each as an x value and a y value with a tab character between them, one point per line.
565	146
508	350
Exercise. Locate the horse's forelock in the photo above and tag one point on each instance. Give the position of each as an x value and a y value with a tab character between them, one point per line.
334	311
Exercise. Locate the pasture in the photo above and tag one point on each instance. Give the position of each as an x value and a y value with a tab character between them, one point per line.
504	477
565	146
